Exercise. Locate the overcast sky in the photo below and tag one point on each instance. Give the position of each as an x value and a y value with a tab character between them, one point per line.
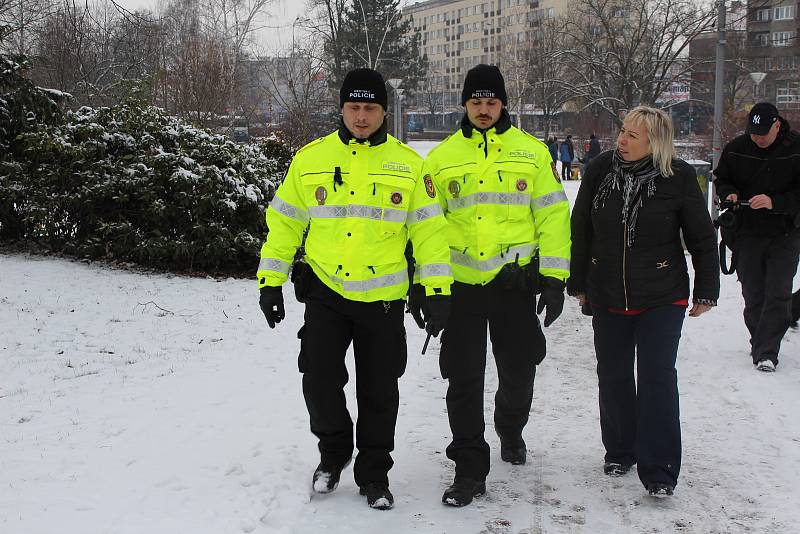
281	14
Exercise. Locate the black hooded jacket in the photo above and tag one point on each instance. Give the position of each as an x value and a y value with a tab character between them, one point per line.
747	170
652	271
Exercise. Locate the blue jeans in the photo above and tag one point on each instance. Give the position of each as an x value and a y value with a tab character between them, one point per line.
640	423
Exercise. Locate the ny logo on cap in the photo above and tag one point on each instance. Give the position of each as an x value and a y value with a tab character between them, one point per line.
756	119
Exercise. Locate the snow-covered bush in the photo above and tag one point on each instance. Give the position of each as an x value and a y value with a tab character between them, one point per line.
132	183
23	107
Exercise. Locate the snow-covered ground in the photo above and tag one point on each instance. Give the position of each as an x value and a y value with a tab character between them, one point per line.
141	403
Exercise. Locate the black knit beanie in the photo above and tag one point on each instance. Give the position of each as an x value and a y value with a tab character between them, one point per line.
363	85
484	81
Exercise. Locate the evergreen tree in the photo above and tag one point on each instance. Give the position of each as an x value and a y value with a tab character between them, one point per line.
374	34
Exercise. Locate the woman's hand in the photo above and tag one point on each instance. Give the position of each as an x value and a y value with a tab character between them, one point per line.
581	299
699	309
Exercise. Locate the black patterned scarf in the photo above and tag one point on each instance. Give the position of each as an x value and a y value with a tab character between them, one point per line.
636	179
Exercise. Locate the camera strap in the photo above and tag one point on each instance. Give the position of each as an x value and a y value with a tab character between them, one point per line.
723	262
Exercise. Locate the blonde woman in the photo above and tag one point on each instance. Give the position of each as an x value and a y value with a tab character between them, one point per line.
629	272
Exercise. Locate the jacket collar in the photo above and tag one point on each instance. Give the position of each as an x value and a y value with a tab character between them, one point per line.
377	138
501	126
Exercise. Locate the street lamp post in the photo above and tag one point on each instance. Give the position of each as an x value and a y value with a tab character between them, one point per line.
395	83
757	78
718	96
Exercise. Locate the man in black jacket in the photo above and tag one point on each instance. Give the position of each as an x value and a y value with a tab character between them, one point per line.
763	167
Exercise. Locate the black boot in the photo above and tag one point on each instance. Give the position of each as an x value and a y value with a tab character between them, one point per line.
462	490
513	451
616	469
378	495
326	476
659	489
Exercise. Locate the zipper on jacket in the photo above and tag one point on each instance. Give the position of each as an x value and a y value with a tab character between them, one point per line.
625	264
625	255
485	146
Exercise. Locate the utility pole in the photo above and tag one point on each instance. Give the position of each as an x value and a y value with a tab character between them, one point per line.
718	94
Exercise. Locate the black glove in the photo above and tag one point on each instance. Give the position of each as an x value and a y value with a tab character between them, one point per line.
271	302
437	310
552	296
416	299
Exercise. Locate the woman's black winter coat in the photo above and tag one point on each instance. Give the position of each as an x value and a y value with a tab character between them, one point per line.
653	271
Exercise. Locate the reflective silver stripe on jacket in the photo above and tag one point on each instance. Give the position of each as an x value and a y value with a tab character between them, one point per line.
549	199
435	269
378	282
284	208
394	215
524	251
357	211
272	264
503	199
554	262
423	213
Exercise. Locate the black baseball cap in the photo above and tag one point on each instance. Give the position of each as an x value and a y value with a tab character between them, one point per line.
761	118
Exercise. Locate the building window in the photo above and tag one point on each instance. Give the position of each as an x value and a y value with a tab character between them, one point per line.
787	92
782	38
761	39
762	15
784	13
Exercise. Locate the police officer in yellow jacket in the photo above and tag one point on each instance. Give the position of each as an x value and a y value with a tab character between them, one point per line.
359	195
509	234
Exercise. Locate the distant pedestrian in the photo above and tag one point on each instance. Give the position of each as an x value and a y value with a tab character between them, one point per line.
592	150
567	154
552	145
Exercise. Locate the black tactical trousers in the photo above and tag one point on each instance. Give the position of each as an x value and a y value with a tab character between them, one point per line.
518	345
379	346
766	267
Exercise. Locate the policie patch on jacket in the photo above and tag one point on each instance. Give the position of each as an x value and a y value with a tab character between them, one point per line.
429	186
555	172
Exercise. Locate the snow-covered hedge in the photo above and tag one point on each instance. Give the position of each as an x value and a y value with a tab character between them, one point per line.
131	183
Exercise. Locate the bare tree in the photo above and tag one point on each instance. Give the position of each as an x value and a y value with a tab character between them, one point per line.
517	58
628	52
20	21
431	95
294	86
94	52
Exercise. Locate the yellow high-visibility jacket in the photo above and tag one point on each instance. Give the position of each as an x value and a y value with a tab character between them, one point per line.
361	201
503	201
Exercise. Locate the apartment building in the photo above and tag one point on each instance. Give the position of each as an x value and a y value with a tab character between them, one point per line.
459	34
774	50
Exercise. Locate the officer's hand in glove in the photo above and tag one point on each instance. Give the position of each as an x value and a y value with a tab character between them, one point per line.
552	297
437	311
271	302
416	300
